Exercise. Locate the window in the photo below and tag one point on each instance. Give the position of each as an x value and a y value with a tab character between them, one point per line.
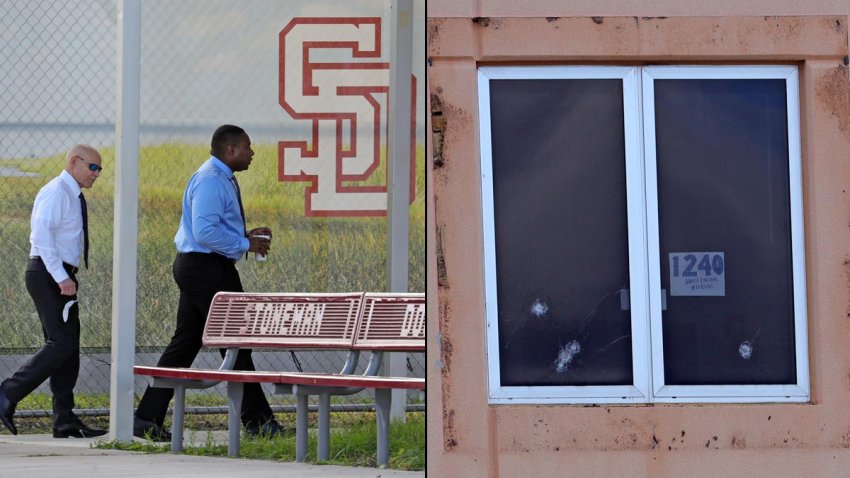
643	235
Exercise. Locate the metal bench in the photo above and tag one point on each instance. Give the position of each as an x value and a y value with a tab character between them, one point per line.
356	322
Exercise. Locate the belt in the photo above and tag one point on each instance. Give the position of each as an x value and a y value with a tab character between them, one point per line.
68	267
211	255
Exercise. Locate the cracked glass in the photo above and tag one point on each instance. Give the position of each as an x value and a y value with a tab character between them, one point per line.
725	216
561	233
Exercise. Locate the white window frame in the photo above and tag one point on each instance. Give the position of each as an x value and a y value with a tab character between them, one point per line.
798	392
643	242
638	392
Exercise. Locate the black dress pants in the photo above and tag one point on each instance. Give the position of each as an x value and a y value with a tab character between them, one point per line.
199	277
59	358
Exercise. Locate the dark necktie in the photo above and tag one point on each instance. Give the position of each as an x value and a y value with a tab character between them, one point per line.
241	209
239	198
85	229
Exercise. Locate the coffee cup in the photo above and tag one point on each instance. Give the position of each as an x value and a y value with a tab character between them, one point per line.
257	255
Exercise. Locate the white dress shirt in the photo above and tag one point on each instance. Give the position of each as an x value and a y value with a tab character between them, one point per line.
57	225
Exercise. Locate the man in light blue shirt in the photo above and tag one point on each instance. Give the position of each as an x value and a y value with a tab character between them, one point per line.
211	238
212	215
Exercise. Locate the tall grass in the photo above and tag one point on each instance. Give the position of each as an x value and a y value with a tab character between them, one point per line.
353	445
308	254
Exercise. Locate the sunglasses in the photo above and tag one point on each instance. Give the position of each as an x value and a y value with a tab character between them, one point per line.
92	167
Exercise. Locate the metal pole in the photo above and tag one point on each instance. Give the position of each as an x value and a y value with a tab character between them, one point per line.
398	172
126	221
382	402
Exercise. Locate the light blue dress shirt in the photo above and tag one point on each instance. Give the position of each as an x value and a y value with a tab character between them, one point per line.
211	220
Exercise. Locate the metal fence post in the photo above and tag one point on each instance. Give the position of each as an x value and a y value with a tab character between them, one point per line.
398	177
126	221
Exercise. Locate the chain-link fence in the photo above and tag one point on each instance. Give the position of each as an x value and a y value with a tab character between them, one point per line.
204	63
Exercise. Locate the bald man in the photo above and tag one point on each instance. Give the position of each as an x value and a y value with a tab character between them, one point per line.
59	246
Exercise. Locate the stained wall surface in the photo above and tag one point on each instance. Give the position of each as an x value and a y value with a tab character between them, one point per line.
471	438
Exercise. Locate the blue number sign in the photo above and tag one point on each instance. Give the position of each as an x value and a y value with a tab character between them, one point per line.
697	273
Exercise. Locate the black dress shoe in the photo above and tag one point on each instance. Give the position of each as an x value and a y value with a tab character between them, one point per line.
7	411
77	430
269	429
149	430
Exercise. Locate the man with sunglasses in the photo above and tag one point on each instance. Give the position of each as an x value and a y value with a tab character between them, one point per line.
59	246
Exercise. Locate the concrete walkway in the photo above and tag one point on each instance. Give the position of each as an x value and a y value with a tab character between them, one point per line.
40	456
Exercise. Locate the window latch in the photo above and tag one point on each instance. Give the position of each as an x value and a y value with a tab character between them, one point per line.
625	300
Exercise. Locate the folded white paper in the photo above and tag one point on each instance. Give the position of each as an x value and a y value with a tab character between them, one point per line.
66	309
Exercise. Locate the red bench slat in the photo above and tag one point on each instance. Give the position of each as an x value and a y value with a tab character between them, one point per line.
292	321
392	322
317	379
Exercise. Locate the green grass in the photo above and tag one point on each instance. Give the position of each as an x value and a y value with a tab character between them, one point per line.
43	401
353	445
308	254
352	439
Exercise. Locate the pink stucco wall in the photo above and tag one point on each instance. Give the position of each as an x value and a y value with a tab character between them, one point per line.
469	438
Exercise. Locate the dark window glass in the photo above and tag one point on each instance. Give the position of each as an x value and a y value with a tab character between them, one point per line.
561	232
723	188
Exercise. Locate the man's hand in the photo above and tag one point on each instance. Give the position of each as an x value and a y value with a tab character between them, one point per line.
67	287
263	231
259	244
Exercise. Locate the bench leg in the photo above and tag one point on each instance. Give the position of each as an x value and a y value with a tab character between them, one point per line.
300	427
323	448
383	401
177	419
234	420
